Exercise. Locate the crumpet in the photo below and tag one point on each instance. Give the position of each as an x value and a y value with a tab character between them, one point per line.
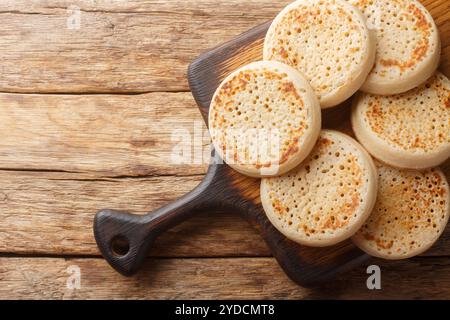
264	119
408	45
410	214
409	130
328	41
328	197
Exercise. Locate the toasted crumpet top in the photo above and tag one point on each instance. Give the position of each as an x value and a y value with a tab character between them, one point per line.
410	214
328	197
328	41
264	119
410	130
408	44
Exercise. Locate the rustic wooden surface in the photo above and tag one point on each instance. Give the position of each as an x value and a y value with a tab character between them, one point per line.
76	135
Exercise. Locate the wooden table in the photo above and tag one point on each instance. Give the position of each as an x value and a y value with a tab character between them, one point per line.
86	122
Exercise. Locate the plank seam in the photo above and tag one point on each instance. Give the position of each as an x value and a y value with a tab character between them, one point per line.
92	93
97	256
99	177
27	13
86	256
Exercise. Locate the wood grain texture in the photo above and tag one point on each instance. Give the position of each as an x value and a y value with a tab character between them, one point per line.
121	46
53	214
243	278
105	135
60	225
135	46
39	121
129	46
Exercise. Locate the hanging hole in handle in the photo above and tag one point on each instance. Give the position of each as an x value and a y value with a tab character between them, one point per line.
120	246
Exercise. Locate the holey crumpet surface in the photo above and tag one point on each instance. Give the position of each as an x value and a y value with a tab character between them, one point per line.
328	41
408	44
264	119
409	130
328	197
410	214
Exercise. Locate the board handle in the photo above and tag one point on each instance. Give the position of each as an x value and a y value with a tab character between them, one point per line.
124	239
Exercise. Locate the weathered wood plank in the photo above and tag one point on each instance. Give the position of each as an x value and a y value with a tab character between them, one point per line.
105	135
129	46
120	46
244	278
52	213
111	135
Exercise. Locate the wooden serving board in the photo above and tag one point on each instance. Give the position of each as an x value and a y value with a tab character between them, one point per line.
125	239
311	265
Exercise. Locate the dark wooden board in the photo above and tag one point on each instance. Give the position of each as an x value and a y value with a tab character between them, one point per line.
311	265
225	188
125	239
207	72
